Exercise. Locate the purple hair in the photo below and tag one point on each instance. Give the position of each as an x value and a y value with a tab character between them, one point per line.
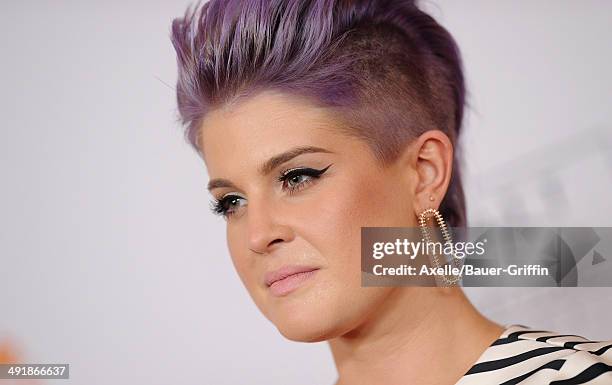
388	70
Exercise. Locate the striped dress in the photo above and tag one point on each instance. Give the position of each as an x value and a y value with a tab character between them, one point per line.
525	356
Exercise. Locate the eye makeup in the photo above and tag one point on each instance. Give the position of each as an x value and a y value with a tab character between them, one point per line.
292	180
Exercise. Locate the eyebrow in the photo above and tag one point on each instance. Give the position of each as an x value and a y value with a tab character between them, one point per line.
271	164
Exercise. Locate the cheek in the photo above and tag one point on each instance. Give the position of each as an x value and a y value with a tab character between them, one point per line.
339	212
332	223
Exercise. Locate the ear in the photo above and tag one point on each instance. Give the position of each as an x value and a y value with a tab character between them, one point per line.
433	163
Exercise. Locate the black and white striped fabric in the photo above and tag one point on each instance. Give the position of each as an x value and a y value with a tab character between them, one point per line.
522	355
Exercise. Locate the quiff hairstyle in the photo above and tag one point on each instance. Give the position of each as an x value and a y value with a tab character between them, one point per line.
387	69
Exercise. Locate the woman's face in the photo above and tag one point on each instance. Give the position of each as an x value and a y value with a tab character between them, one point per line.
308	219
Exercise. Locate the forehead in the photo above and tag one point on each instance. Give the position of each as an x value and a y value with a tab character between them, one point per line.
262	126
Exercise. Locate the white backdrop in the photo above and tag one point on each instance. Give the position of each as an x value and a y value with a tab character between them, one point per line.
109	258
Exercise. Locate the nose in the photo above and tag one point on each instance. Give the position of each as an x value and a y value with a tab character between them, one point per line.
266	229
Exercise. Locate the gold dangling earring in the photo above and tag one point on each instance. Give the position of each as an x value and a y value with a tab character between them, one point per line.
426	214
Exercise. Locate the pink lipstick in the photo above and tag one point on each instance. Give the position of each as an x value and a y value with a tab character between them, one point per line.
288	278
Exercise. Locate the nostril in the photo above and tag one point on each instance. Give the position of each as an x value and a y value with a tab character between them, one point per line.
276	240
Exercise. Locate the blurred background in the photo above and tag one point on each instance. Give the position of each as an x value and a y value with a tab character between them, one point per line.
110	260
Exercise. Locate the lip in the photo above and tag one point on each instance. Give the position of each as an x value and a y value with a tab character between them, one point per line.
288	278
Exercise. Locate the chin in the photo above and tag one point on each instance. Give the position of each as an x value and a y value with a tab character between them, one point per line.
306	328
306	317
320	311
308	320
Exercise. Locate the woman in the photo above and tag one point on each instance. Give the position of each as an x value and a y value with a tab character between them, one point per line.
317	118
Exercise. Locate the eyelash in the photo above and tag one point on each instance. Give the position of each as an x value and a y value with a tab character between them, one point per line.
217	206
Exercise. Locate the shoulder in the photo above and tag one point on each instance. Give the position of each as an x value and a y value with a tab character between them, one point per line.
529	356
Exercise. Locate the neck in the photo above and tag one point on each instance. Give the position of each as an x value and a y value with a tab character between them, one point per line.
418	335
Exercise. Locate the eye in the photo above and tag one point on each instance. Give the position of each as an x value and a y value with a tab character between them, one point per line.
293	180
296	179
226	206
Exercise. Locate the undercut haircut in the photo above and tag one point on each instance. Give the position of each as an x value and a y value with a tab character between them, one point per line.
386	68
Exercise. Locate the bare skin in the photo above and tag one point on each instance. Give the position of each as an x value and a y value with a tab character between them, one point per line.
377	335
397	345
